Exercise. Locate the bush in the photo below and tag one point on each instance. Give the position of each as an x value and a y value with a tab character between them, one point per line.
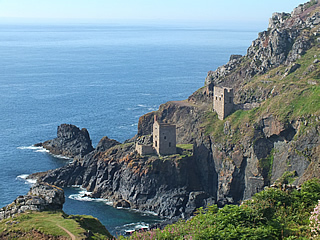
270	214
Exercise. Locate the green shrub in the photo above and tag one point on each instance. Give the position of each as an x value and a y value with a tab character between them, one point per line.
270	214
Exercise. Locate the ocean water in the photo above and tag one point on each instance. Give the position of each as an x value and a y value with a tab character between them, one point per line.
101	77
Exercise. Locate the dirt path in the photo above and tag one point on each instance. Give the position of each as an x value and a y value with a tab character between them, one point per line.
73	237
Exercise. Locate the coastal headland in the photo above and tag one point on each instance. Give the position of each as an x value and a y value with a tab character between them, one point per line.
270	137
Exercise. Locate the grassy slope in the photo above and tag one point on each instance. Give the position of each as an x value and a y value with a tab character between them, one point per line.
295	96
48	223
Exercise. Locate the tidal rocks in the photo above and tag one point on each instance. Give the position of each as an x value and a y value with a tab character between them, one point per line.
41	196
70	142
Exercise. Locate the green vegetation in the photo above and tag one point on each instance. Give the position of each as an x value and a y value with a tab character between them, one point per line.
311	3
185	146
271	214
287	177
265	167
54	224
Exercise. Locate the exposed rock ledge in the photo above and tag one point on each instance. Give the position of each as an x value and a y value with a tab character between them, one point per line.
41	196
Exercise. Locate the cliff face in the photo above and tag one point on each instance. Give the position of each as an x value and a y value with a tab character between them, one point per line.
167	186
273	135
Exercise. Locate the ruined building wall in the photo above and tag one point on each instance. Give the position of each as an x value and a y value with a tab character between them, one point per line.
144	149
164	138
223	101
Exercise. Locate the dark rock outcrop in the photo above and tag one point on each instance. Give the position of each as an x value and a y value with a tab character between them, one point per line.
70	142
41	196
105	143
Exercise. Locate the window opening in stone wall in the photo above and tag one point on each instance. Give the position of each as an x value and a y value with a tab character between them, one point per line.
165	137
156	143
169	144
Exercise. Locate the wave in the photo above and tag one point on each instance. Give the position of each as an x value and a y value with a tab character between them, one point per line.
62	157
24	177
151	108
144	212
142	105
84	196
36	149
129	228
43	150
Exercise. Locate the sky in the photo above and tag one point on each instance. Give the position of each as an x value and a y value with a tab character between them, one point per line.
249	11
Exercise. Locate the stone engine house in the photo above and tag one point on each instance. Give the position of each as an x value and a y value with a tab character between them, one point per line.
223	101
164	138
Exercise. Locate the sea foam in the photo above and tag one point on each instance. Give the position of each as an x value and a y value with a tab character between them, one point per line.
24	177
84	196
43	150
34	148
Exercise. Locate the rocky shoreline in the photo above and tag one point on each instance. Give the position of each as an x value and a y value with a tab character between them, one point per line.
41	197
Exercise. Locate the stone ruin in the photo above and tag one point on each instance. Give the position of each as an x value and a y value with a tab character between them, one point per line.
223	101
164	140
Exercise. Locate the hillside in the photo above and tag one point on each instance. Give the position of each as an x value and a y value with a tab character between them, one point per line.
52	225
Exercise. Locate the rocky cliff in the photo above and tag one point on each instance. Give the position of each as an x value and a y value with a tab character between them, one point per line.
273	135
41	196
70	142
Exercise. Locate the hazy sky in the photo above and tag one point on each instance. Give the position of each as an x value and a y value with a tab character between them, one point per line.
146	10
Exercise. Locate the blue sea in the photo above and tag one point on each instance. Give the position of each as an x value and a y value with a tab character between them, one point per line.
102	77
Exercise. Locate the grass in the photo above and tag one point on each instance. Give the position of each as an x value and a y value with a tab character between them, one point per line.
287	177
185	146
49	223
265	167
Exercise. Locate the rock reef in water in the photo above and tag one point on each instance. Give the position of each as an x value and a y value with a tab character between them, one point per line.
41	197
70	142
